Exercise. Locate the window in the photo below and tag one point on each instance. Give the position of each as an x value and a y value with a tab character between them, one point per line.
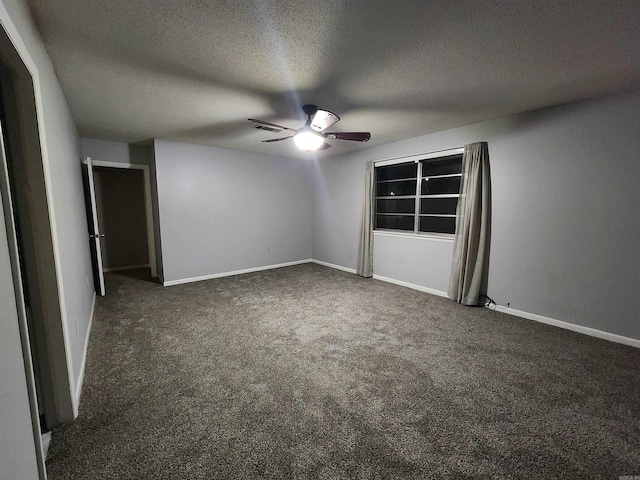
420	196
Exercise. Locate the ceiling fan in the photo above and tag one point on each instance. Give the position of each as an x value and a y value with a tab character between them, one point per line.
312	135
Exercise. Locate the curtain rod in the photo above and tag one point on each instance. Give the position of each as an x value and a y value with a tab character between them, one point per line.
425	155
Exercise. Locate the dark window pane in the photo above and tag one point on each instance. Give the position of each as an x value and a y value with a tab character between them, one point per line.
395	222
434	186
442	165
400	205
439	205
385	189
438	224
394	172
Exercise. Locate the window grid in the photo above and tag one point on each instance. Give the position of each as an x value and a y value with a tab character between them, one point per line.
418	214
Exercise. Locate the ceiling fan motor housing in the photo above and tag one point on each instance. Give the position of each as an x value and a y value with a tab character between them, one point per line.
309	110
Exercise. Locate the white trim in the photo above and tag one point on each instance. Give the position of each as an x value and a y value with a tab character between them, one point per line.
510	311
46	442
422	236
170	283
410	285
9	222
25	55
108	164
333	265
53	225
63	392
95	226
592	332
128	267
84	357
418	156
148	206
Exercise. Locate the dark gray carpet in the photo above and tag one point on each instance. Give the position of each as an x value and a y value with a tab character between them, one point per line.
309	372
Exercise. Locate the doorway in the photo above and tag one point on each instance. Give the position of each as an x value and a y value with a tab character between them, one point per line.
124	216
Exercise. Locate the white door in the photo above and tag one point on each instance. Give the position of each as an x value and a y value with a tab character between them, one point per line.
94	230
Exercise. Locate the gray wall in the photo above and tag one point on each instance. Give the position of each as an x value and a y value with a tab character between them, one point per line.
107	151
565	241
423	261
62	147
224	210
61	150
121	216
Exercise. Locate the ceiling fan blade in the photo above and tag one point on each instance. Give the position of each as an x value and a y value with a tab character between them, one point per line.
354	136
325	145
274	125
277	139
323	119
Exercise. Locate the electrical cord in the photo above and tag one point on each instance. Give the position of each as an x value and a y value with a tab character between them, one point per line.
486	301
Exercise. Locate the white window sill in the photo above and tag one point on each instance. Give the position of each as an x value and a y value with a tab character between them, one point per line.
444	237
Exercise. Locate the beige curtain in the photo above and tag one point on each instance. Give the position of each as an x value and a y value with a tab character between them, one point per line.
365	249
471	242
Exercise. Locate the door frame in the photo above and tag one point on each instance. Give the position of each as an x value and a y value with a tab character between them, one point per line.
30	135
148	205
20	68
94	228
21	311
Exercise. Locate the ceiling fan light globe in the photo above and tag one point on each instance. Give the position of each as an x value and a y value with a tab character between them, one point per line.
308	140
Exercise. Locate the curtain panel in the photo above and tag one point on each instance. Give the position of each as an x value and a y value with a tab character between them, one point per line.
473	223
365	248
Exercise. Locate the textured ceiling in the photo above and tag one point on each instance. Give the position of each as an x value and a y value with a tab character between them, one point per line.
195	71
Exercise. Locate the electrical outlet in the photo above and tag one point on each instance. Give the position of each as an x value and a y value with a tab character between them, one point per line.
268	249
401	259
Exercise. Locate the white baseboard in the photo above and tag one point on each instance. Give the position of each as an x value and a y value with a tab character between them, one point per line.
432	291
80	379
129	267
384	279
612	337
170	283
45	438
592	332
332	265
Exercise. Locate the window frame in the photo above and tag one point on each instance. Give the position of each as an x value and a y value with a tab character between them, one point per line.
418	195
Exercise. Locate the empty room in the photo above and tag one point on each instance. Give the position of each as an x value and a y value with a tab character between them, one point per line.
333	240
